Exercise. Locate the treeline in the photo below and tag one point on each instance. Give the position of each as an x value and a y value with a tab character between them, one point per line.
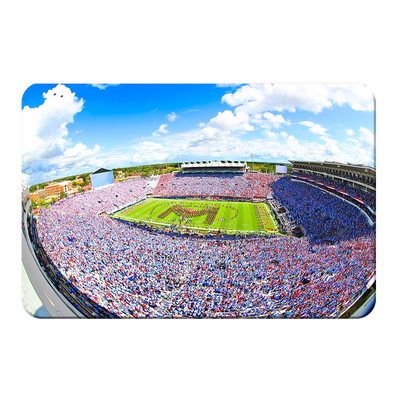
269	168
155	169
85	177
145	170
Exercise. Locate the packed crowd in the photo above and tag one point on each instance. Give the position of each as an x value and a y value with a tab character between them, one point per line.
367	197
214	184
110	198
324	216
137	273
343	174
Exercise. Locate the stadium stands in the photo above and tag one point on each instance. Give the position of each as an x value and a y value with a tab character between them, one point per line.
130	272
213	184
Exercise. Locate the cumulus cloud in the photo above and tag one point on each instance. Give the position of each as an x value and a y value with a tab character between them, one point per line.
259	98
350	132
275	120
172	117
317	129
259	107
161	129
45	143
150	152
227	121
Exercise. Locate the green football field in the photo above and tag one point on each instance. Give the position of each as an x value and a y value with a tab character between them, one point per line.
202	215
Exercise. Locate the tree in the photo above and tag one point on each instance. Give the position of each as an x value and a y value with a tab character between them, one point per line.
80	190
42	203
33	203
62	195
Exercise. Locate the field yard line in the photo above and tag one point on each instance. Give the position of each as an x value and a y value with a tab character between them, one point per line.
229	219
147	208
250	216
217	223
241	212
142	207
272	219
224	223
245	215
161	209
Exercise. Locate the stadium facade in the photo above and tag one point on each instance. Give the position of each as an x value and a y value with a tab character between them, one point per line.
346	176
96	267
236	167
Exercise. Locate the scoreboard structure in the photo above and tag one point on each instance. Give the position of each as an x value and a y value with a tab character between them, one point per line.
281	169
101	178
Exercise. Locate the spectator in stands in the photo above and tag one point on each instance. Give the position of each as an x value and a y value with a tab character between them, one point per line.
135	273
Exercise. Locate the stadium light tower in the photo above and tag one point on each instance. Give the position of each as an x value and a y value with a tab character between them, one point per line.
252	157
179	157
166	160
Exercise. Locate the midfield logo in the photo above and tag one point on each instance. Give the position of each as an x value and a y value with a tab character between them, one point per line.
211	212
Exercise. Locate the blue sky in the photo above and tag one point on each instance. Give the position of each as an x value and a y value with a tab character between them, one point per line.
112	126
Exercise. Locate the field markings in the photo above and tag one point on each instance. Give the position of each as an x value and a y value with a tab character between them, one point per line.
249	207
271	218
242	223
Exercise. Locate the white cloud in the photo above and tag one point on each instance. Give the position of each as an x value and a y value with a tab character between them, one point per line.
161	129
207	135
99	85
201	124
224	134
284	134
268	120
102	86
367	137
317	129
270	135
45	142
350	132
259	98
150	152
364	150
227	121
275	120
172	117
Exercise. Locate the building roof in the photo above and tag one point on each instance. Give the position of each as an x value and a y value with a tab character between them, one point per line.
354	168
197	164
100	171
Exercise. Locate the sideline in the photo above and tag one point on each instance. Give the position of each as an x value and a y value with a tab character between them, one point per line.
204	230
139	221
272	218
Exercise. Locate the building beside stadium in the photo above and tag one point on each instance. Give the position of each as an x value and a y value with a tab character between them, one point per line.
55	188
318	263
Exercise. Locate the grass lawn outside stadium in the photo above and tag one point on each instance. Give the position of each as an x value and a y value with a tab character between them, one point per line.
202	215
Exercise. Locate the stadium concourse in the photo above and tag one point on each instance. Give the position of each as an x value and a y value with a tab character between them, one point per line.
120	270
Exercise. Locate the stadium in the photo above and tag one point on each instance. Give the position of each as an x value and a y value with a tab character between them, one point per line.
213	240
